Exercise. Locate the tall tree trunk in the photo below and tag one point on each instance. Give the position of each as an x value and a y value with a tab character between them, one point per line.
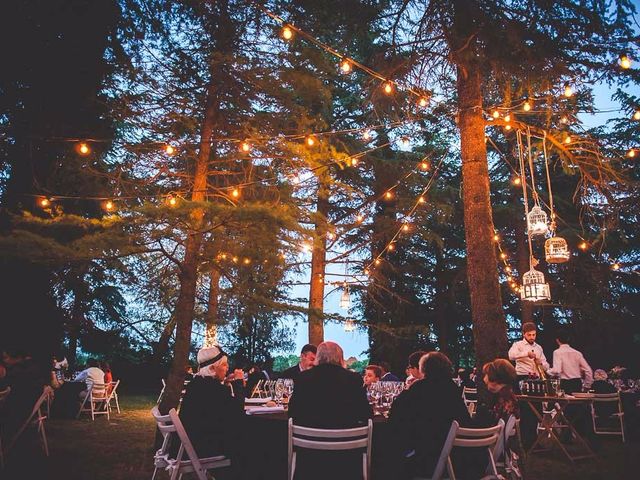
212	319
318	261
489	326
188	274
163	342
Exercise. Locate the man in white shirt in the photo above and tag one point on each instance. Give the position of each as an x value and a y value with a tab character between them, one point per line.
527	353
569	364
90	375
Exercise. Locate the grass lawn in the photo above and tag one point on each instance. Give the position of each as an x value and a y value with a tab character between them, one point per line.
122	449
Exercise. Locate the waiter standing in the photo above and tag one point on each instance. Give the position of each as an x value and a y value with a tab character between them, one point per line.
529	359
527	354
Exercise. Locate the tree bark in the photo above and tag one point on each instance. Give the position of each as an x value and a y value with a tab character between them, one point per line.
489	326
318	261
188	274
163	342
212	318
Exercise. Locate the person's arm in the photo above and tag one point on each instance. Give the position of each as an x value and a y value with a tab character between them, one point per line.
515	352
82	376
557	364
587	372
543	360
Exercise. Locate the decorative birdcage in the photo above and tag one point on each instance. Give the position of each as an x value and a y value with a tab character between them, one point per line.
537	222
556	250
534	287
345	298
349	325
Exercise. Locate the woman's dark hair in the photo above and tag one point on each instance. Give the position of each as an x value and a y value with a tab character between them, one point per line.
414	358
500	371
436	365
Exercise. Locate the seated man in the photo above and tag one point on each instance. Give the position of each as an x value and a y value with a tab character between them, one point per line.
92	374
413	369
329	396
307	359
387	376
421	416
372	374
211	411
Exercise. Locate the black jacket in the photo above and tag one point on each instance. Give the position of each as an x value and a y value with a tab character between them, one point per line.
421	418
210	415
329	396
292	372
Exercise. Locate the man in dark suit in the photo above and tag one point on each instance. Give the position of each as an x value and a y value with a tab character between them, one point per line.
307	360
329	396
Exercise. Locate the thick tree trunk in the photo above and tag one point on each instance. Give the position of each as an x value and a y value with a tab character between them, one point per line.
489	327
188	274
318	262
163	342
212	319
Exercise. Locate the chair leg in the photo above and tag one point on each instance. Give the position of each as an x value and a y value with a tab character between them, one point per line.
117	404
43	434
84	402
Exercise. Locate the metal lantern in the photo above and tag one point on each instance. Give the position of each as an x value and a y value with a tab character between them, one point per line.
349	326
537	221
556	250
345	298
534	287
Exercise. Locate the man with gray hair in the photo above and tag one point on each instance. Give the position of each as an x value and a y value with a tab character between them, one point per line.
329	396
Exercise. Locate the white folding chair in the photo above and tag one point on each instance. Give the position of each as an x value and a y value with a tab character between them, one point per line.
170	426
36	419
98	400
330	439
164	385
467	438
603	399
256	392
112	394
501	455
3	396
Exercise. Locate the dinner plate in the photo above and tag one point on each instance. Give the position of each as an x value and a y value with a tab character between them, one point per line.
255	401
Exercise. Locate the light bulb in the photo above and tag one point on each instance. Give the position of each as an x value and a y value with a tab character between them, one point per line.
345	66
354	162
615	266
405	227
507	269
583	246
495	114
391	247
235	193
83	148
567	139
496	237
367	135
223	256
169	149
109	206
503	256
423	101
424	165
421	200
507	118
310	140
286	32
359	218
234	259
246	261
388	88
388	195
636	115
172	201
245	146
564	119
507	127
366	271
568	91
631	153
516	181
44	202
526	106
625	62
377	262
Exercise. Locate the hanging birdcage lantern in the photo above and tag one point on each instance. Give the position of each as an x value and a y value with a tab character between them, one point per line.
534	287
556	250
345	298
537	221
349	326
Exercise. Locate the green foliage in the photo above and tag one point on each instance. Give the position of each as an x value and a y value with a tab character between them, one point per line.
282	362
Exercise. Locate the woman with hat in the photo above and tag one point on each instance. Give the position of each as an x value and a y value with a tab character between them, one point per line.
212	410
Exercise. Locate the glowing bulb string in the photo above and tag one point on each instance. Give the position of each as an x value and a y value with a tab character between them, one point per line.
404	217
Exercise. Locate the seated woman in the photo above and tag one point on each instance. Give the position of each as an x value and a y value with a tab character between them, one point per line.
499	377
421	416
211	411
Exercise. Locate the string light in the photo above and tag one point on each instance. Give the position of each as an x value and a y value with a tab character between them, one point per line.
354	162
246	261
421	199
507	118
495	114
359	218
235	193
496	237
377	262
526	106
390	247
507	127
366	271
583	246
388	195
568	91
564	119
507	269
345	66
305	247
331	235
245	146
567	139
169	149
423	101
615	266
366	135
310	140
83	148
631	153
625	62
45	202
109	206
503	256
516	181
388	88
424	165
405	227
172	201
223	256
286	32
636	115
234	259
